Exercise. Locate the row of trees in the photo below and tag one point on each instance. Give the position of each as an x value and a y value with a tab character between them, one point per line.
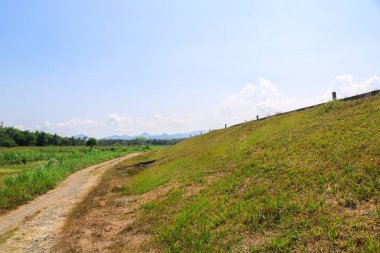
10	137
139	141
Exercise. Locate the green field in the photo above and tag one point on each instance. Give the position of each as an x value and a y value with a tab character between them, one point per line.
26	172
306	181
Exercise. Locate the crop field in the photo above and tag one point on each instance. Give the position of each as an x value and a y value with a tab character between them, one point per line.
26	172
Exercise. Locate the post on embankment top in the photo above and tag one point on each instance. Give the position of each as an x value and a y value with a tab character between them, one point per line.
334	95
225	125
257	117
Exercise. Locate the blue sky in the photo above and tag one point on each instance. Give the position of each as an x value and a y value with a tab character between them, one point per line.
125	67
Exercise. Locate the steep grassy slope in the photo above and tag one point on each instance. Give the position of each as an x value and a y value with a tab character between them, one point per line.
305	181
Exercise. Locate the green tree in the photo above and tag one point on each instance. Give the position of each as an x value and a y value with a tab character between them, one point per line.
41	139
54	140
29	138
7	142
91	142
10	136
139	141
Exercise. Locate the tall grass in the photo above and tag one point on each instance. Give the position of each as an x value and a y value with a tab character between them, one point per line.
29	172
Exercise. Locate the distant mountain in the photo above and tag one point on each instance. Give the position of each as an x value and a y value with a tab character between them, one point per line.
80	136
157	137
119	137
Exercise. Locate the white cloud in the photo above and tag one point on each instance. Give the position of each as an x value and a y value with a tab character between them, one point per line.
20	127
345	86
71	127
266	98
156	124
122	121
261	99
73	123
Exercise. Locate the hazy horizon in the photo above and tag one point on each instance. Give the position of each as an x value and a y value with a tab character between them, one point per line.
105	68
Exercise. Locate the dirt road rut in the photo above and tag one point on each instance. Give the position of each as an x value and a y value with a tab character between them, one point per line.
33	227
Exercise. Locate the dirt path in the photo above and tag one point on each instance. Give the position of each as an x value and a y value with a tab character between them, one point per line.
34	226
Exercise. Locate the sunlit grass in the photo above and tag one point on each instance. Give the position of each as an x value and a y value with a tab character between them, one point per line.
305	181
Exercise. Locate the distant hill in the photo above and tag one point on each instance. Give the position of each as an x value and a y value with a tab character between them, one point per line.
80	136
157	137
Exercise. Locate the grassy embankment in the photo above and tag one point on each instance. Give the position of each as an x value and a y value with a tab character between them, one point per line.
305	181
26	172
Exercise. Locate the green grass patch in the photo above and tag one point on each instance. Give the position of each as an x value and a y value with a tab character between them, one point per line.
303	181
28	172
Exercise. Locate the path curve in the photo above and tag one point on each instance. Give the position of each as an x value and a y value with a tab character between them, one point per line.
34	226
